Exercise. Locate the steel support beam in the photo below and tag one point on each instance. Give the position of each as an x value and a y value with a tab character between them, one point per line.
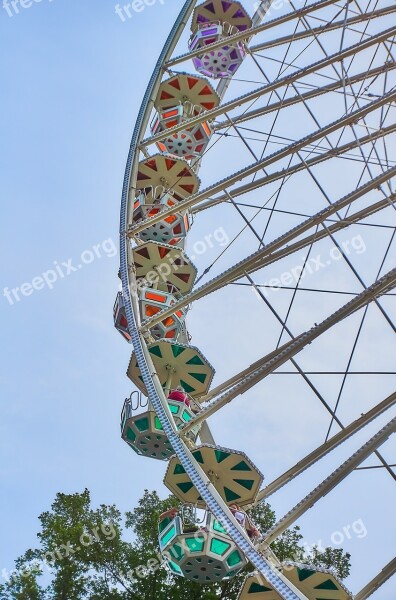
300	35
290	349
331	482
278	83
325	448
305	164
316	91
292	148
205	435
226	385
380	579
304	242
255	260
266	259
248	33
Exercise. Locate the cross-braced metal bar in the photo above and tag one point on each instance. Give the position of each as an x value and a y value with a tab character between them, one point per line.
331	482
325	448
386	573
290	349
186	204
267	254
270	87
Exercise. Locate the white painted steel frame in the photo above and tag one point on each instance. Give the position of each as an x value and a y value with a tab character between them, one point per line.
157	397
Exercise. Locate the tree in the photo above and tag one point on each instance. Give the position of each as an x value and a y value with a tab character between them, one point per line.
83	554
334	558
23	585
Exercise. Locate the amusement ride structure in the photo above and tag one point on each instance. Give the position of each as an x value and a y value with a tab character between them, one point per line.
317	82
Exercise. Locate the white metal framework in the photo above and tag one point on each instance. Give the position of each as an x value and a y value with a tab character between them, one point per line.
299	152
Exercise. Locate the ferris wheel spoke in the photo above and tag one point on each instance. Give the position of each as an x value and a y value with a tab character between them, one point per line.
305	375
313	93
315	237
222	388
300	97
357	219
205	434
230	383
248	33
344	379
344	77
286	80
376	373
331	482
336	244
325	448
373	150
341	152
299	370
290	349
375	14
294	213
386	573
357	275
265	257
258	165
268	255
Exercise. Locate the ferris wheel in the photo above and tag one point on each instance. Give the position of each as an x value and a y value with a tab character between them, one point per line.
281	124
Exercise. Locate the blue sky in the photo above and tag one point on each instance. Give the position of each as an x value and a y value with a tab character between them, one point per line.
73	79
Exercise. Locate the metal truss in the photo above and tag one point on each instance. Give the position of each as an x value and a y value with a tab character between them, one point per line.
327	447
315	153
331	482
290	349
267	255
385	574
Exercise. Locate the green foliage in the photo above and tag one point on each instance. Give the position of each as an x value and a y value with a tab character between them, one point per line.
24	585
334	558
287	546
82	554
